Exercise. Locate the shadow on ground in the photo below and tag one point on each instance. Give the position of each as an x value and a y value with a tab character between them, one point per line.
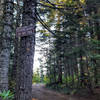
40	92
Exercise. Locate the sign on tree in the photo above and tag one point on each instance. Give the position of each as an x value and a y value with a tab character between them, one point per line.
24	31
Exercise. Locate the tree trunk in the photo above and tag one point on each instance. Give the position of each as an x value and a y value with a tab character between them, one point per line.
5	52
59	71
13	69
27	45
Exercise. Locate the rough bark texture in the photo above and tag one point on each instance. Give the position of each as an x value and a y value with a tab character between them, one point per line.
15	53
27	44
1	7
1	17
5	50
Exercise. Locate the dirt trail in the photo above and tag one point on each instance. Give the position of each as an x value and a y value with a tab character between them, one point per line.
42	93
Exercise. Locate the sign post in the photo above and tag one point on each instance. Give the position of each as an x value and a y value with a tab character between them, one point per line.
24	31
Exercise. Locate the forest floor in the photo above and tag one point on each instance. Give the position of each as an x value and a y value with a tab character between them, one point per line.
40	92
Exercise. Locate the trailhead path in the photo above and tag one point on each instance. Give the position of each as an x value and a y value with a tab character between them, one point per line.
40	92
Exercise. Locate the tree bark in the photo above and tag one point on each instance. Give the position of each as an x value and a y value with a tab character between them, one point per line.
6	38
27	46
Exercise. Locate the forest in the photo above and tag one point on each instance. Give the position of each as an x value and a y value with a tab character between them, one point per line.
66	34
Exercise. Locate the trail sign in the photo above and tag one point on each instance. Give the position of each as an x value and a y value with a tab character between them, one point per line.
24	31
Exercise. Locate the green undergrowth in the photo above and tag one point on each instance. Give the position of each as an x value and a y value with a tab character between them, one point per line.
7	95
69	91
62	89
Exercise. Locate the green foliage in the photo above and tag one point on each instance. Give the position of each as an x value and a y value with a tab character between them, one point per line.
75	49
46	80
7	95
36	78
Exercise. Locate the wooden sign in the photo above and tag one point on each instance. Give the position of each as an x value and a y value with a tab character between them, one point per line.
24	31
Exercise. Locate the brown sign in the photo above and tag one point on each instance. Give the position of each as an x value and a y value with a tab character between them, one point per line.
24	31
